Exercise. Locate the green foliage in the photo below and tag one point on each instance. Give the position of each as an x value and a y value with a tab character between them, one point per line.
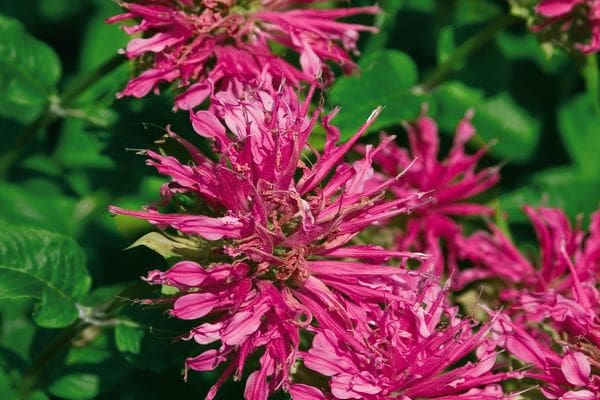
89	371
566	188
29	71
45	266
501	118
389	77
497	119
579	126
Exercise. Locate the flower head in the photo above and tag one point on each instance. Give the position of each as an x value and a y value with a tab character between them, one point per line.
411	349
448	184
227	43
565	374
281	224
554	302
570	23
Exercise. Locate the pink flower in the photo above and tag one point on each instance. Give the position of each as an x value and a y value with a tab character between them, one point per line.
448	185
228	44
562	288
281	223
578	19
404	352
565	376
558	294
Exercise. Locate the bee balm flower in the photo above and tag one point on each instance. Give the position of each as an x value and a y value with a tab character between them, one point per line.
448	184
571	23
404	352
553	303
280	224
228	43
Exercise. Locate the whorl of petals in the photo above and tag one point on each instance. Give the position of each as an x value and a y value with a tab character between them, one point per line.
228	44
447	185
282	224
404	351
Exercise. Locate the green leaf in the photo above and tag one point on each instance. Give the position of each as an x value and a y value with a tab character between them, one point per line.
385	21
524	46
45	266
497	118
452	100
173	247
16	329
159	243
100	42
579	126
386	79
40	204
6	390
128	338
425	6
474	12
29	71
501	118
81	148
565	188
76	386
145	339
446	44
88	371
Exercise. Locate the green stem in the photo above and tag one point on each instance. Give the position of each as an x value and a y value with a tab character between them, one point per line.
591	75
472	44
82	84
63	340
48	115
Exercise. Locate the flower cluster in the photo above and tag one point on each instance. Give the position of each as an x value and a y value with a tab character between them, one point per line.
275	223
557	302
278	265
228	44
411	349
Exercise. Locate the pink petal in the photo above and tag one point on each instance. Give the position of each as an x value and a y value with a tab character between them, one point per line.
556	8
576	368
305	392
206	361
195	305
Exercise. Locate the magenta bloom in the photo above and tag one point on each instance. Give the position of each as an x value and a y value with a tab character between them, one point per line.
560	293
281	223
228	43
448	184
404	352
566	376
578	19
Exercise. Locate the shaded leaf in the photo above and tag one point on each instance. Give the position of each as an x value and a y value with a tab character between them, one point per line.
29	71
452	100
566	188
90	370
76	386
474	12
45	266
579	126
501	118
42	205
